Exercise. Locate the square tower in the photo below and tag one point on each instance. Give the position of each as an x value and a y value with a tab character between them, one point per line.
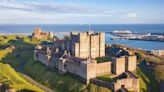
130	63
118	65
88	45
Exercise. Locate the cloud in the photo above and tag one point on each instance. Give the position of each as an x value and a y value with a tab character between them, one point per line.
51	8
13	11
32	6
7	0
131	15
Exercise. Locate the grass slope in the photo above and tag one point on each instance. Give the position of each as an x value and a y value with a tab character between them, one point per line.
8	74
148	81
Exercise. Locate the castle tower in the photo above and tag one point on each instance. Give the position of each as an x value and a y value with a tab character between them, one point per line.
94	46
101	44
51	35
130	63
88	44
84	45
37	32
118	65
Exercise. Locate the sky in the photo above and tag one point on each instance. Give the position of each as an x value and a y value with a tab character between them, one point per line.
81	11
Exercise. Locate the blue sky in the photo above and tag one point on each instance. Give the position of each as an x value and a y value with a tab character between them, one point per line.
81	11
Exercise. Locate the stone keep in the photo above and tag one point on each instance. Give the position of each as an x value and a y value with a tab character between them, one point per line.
88	45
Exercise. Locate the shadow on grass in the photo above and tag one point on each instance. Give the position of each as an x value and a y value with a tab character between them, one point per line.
149	78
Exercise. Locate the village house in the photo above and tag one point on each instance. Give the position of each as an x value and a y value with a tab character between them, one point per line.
78	55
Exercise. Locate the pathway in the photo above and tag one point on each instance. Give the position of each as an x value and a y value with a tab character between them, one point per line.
36	83
20	69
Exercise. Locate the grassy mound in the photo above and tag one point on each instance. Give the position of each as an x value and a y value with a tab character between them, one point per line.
9	75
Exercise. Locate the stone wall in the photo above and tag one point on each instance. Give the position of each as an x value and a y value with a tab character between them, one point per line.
102	83
103	68
85	44
102	44
118	65
84	70
44	59
132	84
91	70
62	66
76	49
131	63
94	46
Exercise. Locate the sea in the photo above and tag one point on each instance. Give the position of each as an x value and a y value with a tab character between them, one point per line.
141	28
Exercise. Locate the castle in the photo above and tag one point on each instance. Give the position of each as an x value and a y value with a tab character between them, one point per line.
78	55
38	34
